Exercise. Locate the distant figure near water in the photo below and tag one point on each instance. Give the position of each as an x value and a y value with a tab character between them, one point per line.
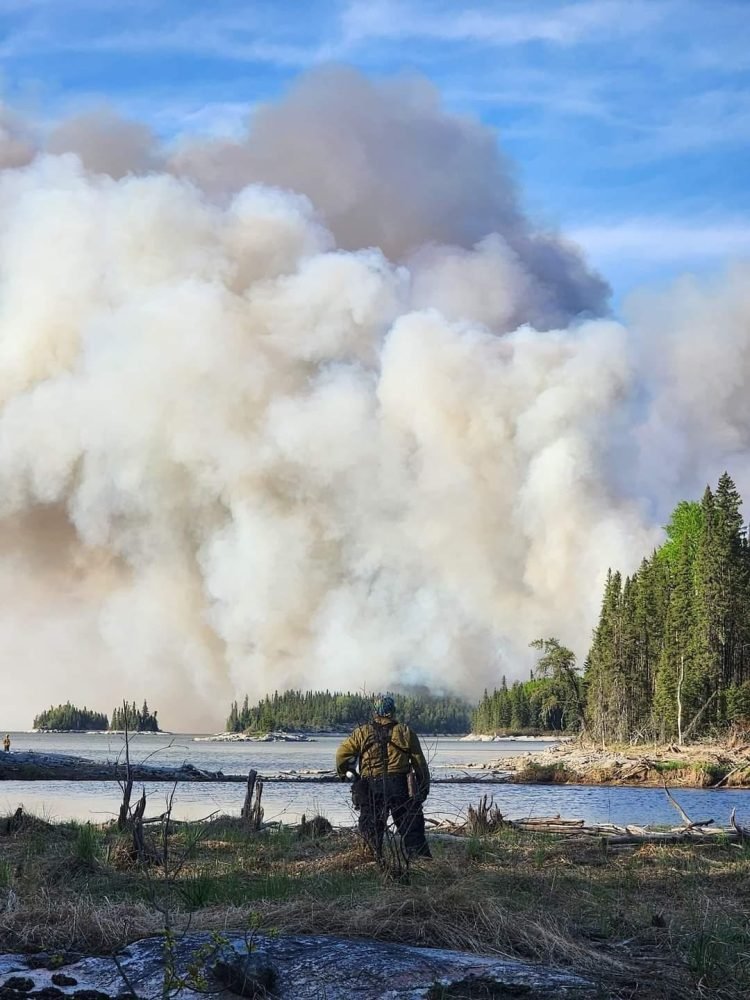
6	743
390	758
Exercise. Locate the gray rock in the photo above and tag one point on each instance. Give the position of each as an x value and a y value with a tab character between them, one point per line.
310	967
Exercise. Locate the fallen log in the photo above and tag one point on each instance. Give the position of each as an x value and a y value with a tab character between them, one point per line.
742	832
610	834
548	821
687	822
679	837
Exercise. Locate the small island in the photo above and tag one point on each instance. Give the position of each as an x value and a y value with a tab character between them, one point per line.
68	718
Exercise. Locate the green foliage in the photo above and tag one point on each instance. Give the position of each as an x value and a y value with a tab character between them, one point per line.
134	719
557	665
552	701
86	845
669	656
715	952
302	711
683	530
68	718
738	704
530	706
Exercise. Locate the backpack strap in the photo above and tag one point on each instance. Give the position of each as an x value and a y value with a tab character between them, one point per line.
376	733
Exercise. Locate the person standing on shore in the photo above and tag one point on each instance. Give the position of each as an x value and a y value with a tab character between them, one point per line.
384	754
6	743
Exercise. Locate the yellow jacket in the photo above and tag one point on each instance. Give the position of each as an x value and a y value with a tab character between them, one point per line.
382	747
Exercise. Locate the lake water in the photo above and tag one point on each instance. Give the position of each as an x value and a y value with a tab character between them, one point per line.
98	801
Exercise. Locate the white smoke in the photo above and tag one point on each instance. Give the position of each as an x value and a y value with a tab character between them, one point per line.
236	458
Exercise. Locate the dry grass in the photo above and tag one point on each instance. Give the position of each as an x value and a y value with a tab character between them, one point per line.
653	922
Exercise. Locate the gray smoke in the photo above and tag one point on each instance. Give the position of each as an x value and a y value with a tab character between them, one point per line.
321	408
17	146
386	166
106	143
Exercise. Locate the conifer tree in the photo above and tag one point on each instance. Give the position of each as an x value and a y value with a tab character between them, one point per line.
721	583
605	663
670	652
677	685
563	691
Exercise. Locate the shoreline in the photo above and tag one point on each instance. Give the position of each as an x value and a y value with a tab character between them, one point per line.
698	765
271	737
514	738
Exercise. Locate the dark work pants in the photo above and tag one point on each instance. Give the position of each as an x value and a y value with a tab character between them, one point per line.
380	796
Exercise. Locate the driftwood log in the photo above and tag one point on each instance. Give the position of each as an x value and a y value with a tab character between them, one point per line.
486	818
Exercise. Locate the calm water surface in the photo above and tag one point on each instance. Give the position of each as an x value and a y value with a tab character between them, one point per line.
98	801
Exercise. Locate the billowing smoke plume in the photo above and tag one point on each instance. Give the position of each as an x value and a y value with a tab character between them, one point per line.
318	408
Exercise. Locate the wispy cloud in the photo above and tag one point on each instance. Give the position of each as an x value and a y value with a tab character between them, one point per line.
536	90
235	35
665	239
712	118
509	24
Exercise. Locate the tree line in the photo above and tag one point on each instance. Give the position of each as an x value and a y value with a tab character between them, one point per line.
69	718
326	710
138	720
552	701
670	655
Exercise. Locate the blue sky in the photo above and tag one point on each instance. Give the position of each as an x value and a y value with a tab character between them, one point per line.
628	120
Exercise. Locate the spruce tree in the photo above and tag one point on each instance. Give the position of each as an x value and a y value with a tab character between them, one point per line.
604	664
677	687
721	584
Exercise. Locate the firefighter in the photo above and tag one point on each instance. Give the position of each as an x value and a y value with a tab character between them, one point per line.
384	755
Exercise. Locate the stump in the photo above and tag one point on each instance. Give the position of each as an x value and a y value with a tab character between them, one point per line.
252	810
486	818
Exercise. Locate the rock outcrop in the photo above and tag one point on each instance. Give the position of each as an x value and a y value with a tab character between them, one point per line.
299	967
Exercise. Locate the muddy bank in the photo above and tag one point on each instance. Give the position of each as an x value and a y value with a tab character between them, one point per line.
702	765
